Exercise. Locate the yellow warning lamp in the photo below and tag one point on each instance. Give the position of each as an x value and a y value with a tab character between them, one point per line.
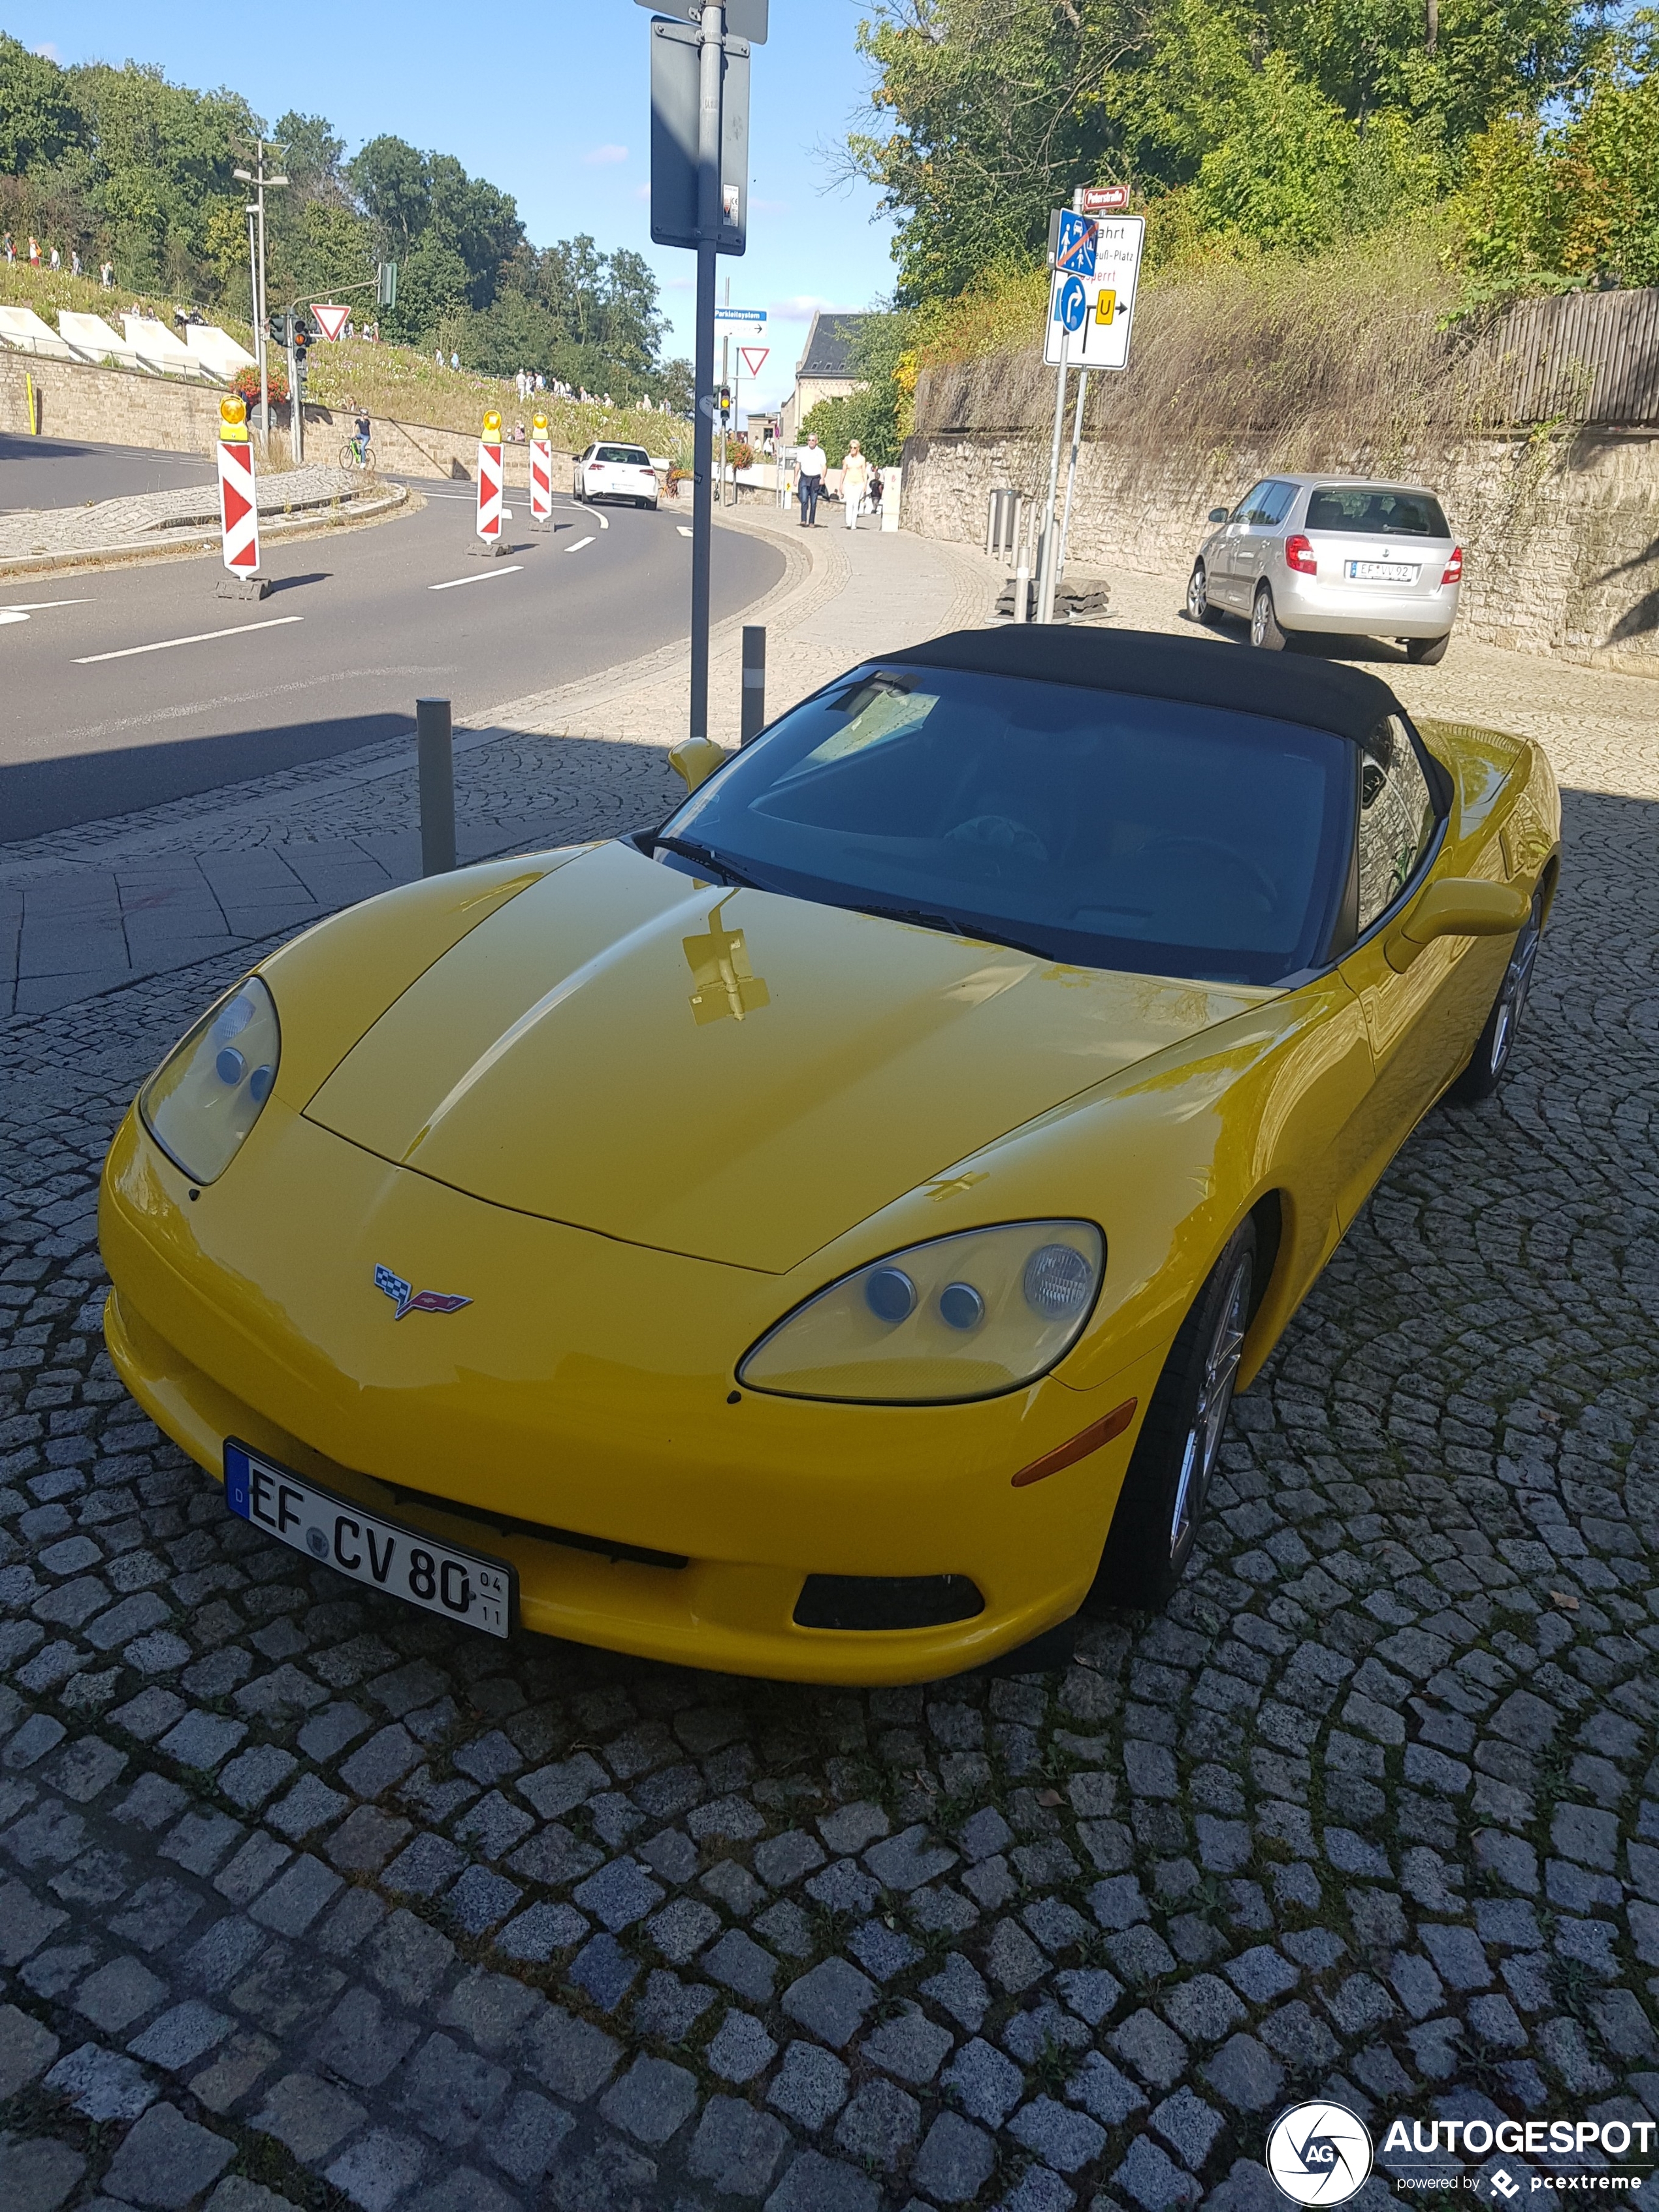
492	429
232	419
538	424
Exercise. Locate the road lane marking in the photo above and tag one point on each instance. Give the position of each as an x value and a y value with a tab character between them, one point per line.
683	529
579	544
602	522
508	569
37	606
199	637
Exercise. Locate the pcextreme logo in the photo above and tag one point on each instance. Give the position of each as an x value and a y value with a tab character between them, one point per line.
1319	2154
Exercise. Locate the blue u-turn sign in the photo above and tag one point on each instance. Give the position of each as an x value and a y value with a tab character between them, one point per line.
1071	306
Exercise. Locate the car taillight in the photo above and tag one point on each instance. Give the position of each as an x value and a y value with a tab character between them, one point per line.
1454	567
1299	554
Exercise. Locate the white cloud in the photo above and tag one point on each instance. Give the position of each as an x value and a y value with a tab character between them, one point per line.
643	192
804	307
602	157
49	53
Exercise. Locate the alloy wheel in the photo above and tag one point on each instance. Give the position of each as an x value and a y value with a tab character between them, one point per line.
1215	1398
1198	596
1512	994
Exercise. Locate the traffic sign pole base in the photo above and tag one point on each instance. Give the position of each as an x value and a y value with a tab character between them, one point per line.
241	587
486	549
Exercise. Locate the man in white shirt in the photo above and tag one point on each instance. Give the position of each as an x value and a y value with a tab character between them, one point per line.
809	479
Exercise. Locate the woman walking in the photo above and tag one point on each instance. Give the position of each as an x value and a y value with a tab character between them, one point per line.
854	481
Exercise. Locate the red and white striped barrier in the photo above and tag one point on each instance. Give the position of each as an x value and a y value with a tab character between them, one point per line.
239	510
489	481
541	471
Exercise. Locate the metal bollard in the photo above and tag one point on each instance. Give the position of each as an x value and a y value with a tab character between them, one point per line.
1023	583
753	717
435	746
992	518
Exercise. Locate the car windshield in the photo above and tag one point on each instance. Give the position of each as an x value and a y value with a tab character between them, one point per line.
1372	512
633	457
1095	828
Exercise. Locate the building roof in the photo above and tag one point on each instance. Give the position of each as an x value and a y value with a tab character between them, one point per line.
829	346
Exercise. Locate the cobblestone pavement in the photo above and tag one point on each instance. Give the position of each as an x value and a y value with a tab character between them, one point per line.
162	517
301	1893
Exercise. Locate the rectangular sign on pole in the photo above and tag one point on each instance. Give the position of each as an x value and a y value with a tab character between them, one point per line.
739	314
1094	313
1071	243
744	19
1101	199
676	108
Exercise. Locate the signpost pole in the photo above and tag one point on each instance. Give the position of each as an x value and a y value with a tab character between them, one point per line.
1071	482
712	25
1045	611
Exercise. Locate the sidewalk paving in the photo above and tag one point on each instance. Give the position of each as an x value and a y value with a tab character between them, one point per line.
85	910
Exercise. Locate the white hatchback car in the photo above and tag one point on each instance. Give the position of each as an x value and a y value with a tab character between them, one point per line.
607	471
1345	555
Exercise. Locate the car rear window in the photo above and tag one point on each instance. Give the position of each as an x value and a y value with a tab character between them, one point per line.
1373	513
1098	829
628	456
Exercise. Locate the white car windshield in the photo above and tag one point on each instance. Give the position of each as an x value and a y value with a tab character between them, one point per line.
1097	828
628	456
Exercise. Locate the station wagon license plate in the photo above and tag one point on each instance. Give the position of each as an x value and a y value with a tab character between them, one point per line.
423	1570
1382	572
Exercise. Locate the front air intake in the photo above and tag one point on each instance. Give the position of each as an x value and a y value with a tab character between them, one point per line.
866	1602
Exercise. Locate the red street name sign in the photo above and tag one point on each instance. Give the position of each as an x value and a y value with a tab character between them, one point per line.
1101	200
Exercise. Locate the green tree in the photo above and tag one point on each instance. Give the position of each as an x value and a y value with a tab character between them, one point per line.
39	121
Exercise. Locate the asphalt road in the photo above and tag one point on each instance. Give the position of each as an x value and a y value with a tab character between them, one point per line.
129	687
36	472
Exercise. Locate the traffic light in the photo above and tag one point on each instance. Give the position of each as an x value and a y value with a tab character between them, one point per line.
385	284
725	403
301	345
279	328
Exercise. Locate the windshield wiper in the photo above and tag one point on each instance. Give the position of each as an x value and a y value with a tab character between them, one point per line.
954	924
703	856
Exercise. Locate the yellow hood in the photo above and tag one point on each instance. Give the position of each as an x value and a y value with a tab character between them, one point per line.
727	1074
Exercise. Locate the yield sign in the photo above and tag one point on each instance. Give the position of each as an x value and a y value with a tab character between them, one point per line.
753	358
330	321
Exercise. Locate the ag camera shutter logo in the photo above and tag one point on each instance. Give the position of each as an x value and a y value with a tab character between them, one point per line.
1319	2154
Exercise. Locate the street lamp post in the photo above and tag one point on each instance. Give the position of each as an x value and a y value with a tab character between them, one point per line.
256	246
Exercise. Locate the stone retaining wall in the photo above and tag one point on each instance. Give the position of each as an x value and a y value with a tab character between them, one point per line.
122	407
1560	535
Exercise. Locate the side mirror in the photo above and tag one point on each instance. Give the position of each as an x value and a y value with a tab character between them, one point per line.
1456	907
697	759
1219	513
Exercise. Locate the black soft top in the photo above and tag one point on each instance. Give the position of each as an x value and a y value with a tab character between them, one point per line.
1322	694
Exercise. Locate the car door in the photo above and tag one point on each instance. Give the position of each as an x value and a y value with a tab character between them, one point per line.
1264	512
1415	1024
1224	574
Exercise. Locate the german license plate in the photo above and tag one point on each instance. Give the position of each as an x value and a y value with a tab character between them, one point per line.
422	1570
1383	572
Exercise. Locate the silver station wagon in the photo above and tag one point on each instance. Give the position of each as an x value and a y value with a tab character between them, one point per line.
1338	554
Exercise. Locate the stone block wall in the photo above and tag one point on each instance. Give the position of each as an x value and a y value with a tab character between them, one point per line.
123	407
1560	535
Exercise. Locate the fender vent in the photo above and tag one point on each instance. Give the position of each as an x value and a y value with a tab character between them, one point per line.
863	1602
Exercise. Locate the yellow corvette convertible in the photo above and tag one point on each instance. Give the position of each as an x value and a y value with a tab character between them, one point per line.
821	1236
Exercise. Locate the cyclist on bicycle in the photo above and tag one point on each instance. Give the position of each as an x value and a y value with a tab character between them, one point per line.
359	440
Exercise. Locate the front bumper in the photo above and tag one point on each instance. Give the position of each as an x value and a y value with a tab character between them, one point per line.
1344	610
589	1387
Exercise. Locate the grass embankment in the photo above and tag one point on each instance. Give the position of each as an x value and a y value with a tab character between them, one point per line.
1265	351
391	382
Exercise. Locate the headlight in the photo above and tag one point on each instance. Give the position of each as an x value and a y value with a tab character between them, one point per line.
963	1316
206	1096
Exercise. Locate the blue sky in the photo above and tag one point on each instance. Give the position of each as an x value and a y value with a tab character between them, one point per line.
559	120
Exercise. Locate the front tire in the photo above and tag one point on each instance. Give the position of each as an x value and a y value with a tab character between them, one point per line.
1265	632
1167	1488
1427	652
1490	1060
1199	608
